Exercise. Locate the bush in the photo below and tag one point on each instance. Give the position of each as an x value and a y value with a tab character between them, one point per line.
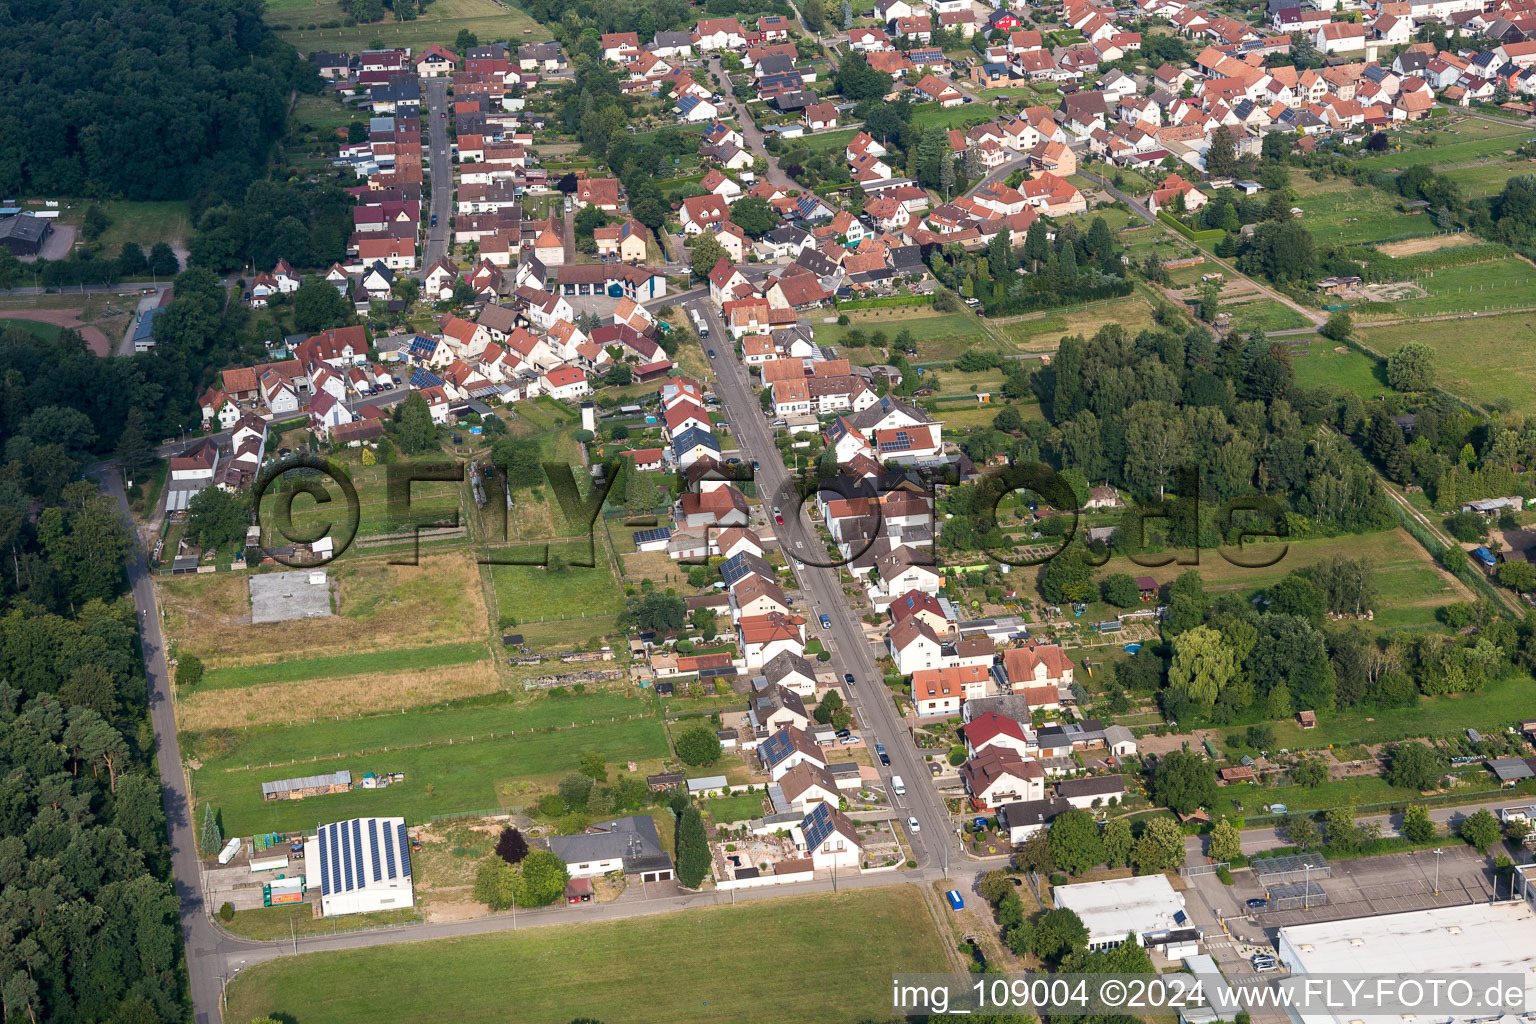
227	912
189	670
1057	878
1225	876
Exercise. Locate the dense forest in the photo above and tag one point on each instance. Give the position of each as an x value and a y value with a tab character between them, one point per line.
143	99
88	915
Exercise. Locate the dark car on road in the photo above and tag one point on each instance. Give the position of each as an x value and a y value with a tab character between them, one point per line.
848	678
1255	904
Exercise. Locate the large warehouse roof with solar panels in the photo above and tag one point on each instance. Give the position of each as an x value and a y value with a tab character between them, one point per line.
360	865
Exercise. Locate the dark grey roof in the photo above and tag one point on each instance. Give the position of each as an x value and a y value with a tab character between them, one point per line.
785	662
1030	812
1092	785
632	838
24	227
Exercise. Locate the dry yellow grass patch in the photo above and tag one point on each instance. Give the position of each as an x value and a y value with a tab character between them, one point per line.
1410	246
278	703
380	607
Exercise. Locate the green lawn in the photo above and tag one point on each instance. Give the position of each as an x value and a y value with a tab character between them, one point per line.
36	328
1492	708
343	665
930	115
736	807
268	924
1322	367
700	965
1482	359
1487	178
826	142
1039	332
443	778
440	22
1265	315
532	593
143	222
476	718
940	337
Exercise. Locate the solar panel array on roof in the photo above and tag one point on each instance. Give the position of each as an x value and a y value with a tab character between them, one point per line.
341	853
423	379
901	440
817	826
660	533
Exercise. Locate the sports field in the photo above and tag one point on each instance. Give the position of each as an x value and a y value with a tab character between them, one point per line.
699	965
1483	359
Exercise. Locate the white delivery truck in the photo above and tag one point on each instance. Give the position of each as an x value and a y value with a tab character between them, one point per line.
231	848
897	786
269	864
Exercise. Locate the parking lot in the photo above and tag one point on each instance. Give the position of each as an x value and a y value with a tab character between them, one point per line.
1367	887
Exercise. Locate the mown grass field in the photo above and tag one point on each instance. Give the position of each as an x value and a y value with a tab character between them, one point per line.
315	669
1339	211
736	807
429	502
440	22
1411	587
1263	314
1483	359
440	778
270	924
534	593
491	715
142	222
940	337
1042	332
626	970
1474	287
1323	367
1463	143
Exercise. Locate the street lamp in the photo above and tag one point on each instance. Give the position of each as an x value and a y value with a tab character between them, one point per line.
1438	854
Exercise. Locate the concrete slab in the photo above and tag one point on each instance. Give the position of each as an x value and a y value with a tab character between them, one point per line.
281	596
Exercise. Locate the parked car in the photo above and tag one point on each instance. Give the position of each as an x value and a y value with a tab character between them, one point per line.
953	895
711	353
1255	904
848	678
778	517
913	825
826	622
843	733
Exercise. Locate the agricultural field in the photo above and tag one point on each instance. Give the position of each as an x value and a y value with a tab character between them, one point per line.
636	959
462	757
1410	585
1482	359
400	636
440	22
1323	365
1339	211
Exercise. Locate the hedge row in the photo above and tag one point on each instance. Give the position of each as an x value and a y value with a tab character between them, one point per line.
1209	235
895	300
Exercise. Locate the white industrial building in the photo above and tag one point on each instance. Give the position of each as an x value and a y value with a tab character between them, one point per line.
1114	908
360	865
1478	938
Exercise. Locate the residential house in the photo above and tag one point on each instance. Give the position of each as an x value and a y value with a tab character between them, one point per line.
999	776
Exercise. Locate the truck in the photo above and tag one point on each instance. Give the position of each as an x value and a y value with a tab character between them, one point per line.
699	323
282	891
231	848
897	786
269	864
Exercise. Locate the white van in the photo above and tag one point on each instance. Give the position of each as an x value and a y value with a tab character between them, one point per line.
897	786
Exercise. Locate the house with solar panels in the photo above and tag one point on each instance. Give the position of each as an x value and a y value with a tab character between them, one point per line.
360	865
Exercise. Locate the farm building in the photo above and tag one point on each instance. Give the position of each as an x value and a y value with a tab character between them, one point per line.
361	865
309	785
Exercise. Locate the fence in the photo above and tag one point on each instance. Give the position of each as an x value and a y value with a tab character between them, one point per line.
491	812
1195	870
1301	896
